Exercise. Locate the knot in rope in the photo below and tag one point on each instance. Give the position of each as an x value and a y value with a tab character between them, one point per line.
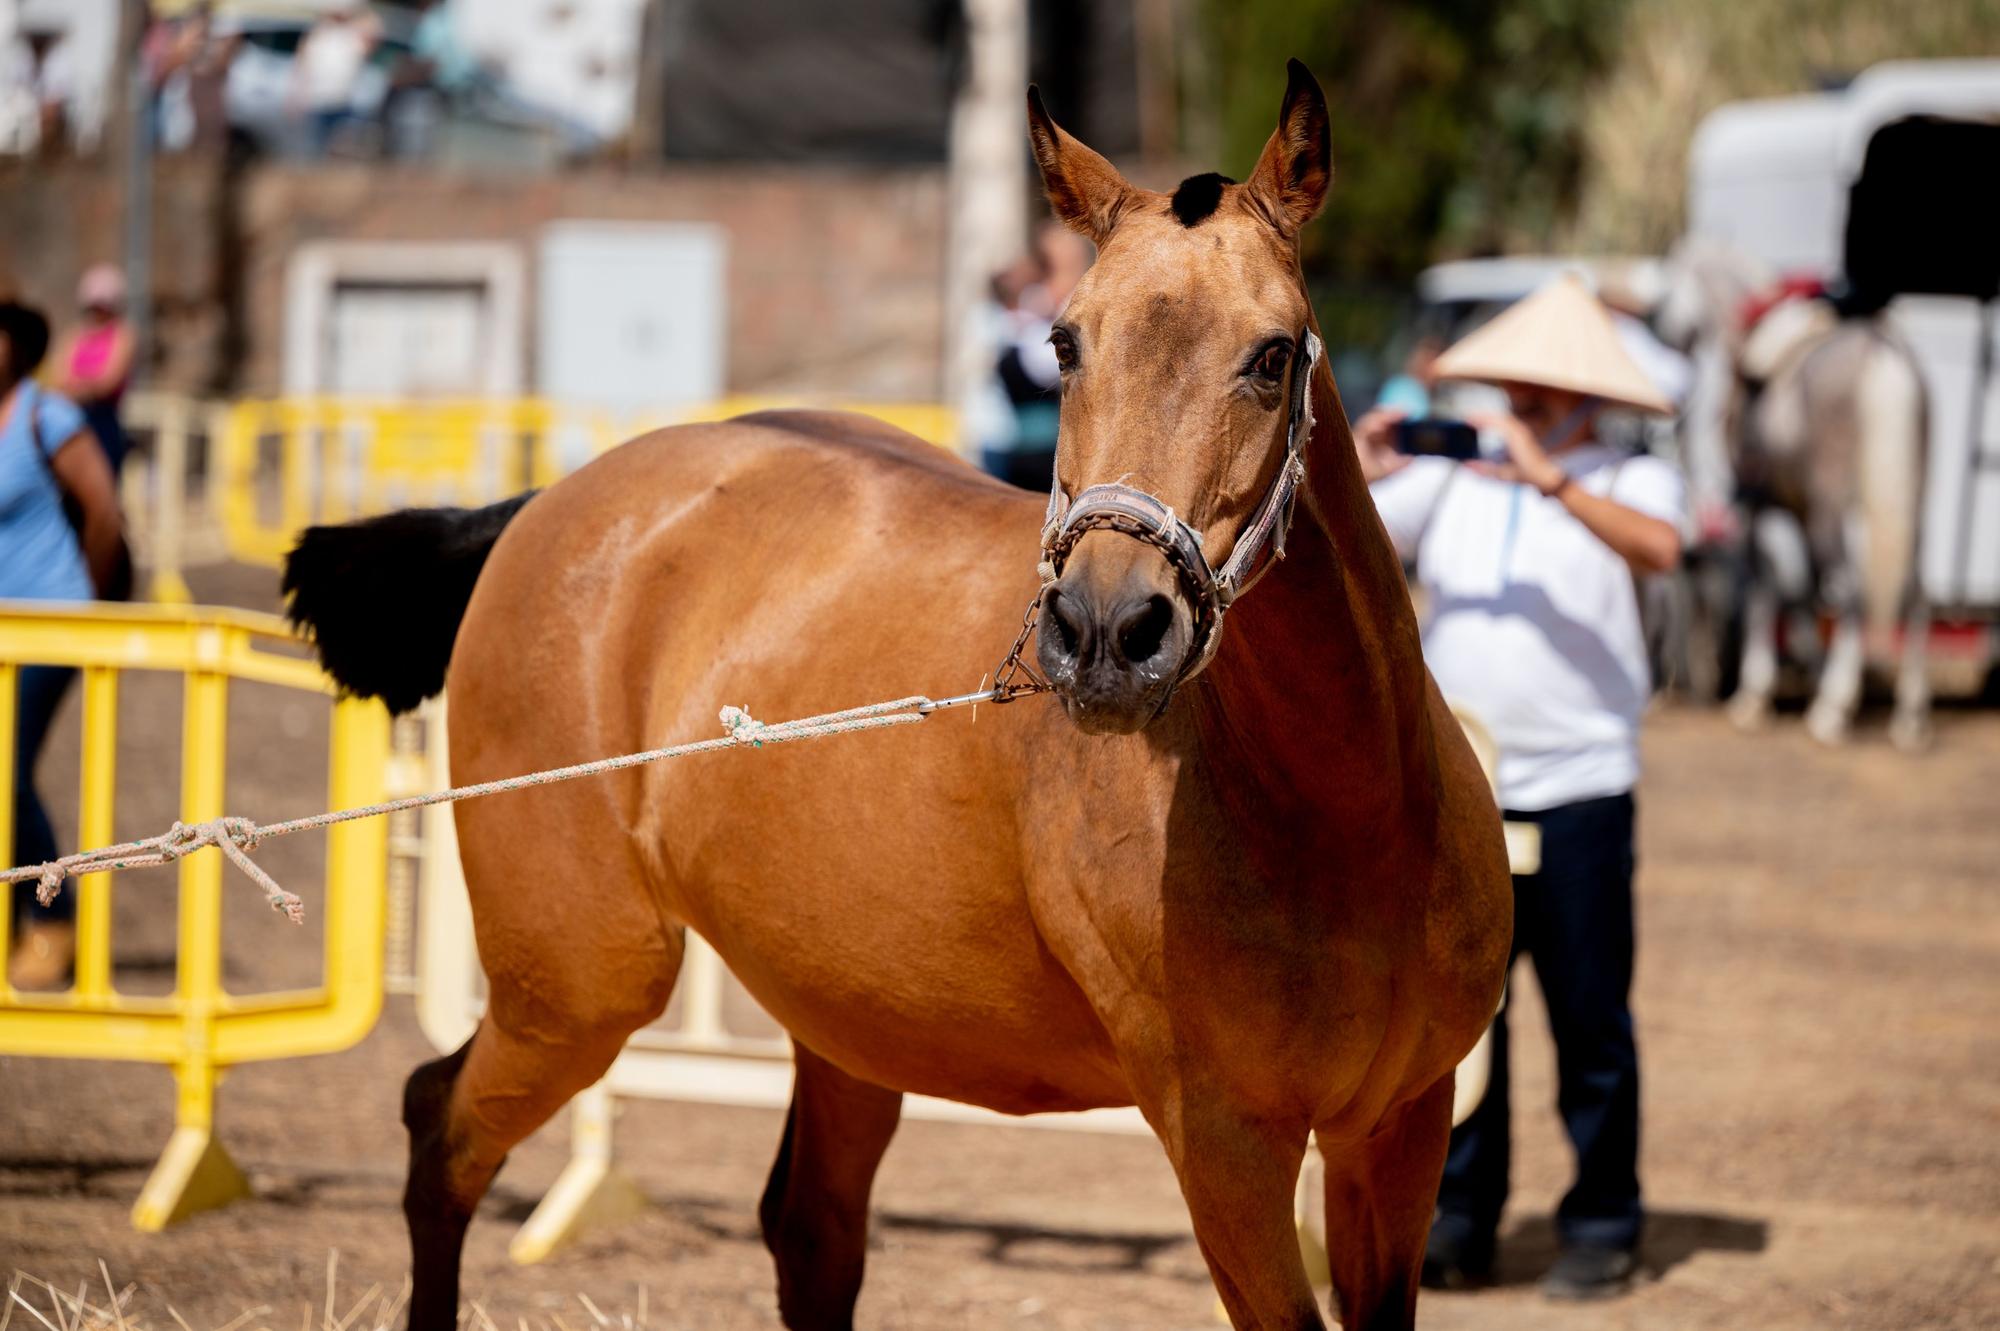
743	727
184	838
236	837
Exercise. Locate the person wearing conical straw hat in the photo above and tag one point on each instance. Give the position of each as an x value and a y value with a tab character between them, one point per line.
1527	557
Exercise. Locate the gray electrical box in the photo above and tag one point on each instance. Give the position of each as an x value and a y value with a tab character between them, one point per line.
632	315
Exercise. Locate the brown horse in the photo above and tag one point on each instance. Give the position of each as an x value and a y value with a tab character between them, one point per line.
1260	899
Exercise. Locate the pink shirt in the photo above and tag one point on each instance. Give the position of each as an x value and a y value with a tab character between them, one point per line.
93	353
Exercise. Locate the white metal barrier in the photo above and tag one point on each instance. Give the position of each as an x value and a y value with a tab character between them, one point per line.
713	1045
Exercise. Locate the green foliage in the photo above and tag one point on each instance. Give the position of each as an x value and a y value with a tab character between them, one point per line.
1680	59
1480	126
1456	123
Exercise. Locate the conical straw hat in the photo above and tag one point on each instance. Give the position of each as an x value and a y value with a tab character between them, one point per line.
1560	337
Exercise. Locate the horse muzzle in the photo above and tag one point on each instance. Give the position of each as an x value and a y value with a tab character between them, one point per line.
1123	624
1114	645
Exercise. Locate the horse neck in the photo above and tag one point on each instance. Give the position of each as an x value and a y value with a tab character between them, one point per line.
1316	699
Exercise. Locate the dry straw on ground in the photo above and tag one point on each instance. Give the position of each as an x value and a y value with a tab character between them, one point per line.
42	1306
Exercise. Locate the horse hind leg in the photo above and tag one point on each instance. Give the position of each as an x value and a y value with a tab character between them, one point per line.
814	1210
466	1111
1845	552
1910	723
1831	715
1890	407
1757	678
1380	1196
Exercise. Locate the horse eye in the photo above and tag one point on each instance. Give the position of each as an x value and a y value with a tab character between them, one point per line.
1272	360
1065	347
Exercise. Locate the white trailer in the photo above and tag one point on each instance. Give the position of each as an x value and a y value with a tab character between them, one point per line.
1823	184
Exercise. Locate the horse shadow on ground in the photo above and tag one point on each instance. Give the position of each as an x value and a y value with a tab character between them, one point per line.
1002	1243
118	1178
1529	1246
1045	1247
91	1176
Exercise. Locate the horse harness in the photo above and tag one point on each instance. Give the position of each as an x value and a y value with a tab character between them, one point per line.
1114	506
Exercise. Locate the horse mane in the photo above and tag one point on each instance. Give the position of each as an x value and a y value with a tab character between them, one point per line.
1196	198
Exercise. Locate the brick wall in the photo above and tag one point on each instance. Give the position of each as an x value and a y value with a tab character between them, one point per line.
835	276
57	217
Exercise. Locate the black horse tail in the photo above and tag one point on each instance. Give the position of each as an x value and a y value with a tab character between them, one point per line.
382	598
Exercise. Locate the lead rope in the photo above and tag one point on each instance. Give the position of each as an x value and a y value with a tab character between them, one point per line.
237	837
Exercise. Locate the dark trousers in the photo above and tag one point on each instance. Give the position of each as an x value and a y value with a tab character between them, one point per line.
1030	468
102	417
41	691
1574	920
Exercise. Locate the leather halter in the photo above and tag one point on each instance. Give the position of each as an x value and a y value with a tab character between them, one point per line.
1210	590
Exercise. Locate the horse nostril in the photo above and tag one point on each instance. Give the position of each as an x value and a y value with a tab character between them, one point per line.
1142	631
1066	619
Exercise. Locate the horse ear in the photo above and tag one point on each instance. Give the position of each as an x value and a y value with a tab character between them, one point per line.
1086	192
1292	175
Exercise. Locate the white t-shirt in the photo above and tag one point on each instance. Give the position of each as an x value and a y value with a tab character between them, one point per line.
1532	622
329	63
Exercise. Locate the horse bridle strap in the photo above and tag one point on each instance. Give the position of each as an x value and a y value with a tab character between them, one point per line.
1210	590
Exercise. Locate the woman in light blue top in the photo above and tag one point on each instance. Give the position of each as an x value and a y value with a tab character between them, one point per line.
48	458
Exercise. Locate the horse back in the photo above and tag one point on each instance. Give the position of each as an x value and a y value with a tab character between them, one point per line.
720	556
869	891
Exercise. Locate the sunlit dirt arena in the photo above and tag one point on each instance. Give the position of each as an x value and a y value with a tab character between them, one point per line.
1819	1008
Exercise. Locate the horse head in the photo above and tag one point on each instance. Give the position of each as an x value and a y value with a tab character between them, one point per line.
1707	281
1185	359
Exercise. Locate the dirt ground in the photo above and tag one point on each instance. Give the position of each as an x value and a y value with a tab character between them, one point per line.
1819	1010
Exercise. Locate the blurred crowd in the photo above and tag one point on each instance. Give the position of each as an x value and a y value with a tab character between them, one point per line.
356	80
1013	415
61	447
345	86
38	91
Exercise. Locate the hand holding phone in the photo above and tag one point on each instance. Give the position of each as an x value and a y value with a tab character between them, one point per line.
1437	437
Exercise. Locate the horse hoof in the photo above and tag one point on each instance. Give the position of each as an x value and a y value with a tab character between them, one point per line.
1828	726
1911	734
1748	713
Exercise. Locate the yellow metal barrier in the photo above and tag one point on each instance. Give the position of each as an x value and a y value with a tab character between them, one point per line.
239	481
284	464
200	1028
928	421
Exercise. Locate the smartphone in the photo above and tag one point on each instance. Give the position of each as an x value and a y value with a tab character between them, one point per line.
1437	437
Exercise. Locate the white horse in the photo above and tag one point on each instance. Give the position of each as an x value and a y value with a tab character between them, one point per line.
1813	427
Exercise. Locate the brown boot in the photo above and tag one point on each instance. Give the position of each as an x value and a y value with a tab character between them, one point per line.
43	957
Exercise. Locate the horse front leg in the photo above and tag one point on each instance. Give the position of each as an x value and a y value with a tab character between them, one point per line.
1381	1193
1237	1173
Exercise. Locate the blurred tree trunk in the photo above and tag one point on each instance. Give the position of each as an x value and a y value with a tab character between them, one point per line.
1159	113
649	96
